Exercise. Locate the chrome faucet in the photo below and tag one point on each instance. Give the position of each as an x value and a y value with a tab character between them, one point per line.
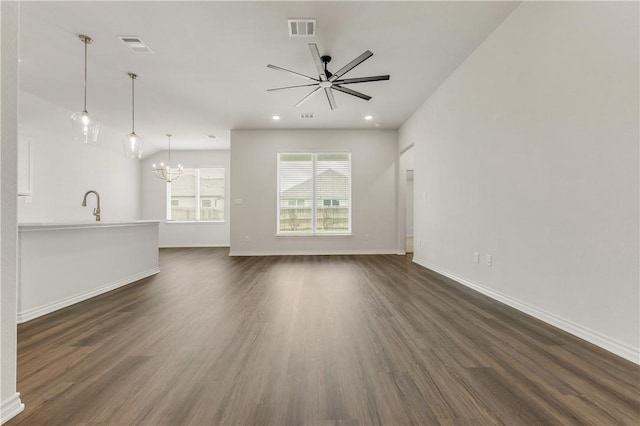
96	211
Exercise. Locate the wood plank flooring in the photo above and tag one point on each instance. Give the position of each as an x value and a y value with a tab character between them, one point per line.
317	340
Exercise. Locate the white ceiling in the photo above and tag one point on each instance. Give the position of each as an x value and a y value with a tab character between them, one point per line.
207	73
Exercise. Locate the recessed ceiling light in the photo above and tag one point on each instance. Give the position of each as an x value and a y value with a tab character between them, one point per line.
276	117
368	117
211	136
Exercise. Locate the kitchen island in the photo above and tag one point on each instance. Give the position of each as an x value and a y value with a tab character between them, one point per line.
65	263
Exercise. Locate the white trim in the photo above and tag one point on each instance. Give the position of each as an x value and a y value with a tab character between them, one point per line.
406	148
309	252
173	222
33	313
56	226
10	408
321	235
621	349
179	245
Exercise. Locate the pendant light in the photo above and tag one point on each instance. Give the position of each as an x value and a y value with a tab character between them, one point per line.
85	127
132	143
165	171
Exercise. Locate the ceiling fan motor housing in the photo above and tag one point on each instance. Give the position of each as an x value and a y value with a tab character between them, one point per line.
325	60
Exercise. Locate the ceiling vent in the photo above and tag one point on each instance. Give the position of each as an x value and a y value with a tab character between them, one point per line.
135	43
302	27
306	115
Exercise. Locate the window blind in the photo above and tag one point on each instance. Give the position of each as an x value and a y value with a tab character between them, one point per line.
314	193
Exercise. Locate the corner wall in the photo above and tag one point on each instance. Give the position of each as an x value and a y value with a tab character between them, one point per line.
529	153
254	176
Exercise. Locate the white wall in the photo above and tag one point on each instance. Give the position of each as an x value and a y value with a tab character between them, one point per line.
153	192
254	174
529	152
63	169
10	404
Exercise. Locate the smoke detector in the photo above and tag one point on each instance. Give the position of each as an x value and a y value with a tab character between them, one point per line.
306	115
302	27
135	43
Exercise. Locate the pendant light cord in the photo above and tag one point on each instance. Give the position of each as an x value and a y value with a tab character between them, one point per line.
133	105
85	73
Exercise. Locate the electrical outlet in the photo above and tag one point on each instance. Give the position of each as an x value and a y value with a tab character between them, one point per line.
246	238
476	257
419	242
489	260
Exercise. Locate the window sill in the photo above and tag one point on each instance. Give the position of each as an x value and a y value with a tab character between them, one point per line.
192	221
347	235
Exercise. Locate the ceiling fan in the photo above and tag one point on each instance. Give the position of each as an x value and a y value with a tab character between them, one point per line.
330	81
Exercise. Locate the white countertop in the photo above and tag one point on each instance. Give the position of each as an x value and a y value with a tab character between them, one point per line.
42	226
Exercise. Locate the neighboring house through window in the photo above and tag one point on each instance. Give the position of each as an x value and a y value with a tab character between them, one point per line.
197	195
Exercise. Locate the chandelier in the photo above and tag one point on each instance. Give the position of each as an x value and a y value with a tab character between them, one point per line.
165	171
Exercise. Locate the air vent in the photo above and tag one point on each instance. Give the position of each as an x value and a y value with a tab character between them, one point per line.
302	27
306	115
135	44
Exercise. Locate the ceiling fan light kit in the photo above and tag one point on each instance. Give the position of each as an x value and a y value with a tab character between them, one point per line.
85	127
329	81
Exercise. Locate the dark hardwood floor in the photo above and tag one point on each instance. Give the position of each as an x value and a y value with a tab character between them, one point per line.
317	340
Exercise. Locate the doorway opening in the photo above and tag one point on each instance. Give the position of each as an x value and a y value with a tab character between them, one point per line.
409	213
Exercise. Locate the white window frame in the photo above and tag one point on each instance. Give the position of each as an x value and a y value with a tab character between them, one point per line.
314	232
197	198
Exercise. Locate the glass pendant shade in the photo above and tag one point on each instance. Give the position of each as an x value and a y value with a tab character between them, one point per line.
132	145
85	127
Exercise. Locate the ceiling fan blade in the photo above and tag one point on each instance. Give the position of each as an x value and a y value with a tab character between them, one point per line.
351	65
316	60
361	79
291	87
306	77
351	92
330	98
306	98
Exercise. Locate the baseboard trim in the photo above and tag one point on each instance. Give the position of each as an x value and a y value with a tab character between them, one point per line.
309	252
10	408
621	349
39	311
194	245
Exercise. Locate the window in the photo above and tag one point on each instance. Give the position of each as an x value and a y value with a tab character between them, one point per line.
198	195
314	193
